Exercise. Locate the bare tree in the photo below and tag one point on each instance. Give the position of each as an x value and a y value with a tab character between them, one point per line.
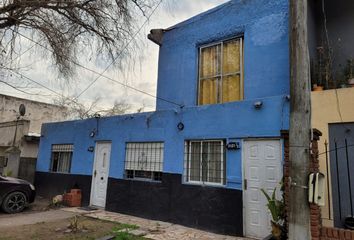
119	108
78	110
66	27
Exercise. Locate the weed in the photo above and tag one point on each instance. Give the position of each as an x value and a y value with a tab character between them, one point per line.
127	236
125	226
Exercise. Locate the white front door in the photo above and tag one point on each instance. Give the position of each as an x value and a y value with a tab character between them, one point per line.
262	161
100	174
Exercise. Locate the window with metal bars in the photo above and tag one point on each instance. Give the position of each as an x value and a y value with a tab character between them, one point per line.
144	161
221	72
61	158
205	162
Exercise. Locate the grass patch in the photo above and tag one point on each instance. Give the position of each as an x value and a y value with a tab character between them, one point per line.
121	232
122	226
127	236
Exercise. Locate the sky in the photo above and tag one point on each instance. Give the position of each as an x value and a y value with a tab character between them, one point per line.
140	72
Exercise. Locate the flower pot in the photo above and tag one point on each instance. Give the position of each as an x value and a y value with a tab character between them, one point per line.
317	88
351	82
276	230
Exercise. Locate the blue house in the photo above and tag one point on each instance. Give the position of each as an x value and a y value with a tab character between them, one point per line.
214	140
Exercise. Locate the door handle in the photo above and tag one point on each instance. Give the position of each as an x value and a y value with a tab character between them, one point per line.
95	173
245	183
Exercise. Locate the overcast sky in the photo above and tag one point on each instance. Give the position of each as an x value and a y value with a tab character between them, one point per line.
142	73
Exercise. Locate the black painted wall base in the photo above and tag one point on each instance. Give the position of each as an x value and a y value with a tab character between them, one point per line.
213	209
209	208
49	185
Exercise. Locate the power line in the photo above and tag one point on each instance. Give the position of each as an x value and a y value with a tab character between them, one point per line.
102	74
331	60
116	58
18	89
42	85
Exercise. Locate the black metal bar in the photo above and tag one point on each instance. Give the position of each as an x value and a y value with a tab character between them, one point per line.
349	180
338	185
328	192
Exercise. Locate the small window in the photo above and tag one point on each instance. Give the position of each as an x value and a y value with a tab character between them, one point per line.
205	162
220	72
61	158
144	161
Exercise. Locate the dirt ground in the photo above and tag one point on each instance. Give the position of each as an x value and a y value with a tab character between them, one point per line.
39	205
86	228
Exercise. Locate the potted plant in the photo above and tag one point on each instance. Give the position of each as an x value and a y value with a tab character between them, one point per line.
317	70
277	211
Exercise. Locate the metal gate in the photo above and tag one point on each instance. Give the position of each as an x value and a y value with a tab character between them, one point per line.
341	152
27	169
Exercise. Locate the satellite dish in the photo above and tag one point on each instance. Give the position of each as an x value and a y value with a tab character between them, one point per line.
22	110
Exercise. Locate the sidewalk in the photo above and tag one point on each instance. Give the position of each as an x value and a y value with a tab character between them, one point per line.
151	229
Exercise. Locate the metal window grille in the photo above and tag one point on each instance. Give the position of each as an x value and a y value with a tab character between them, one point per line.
205	162
144	161
61	158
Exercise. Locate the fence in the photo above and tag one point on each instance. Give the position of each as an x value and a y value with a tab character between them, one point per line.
340	166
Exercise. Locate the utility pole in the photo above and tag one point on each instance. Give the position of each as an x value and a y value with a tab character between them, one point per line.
300	122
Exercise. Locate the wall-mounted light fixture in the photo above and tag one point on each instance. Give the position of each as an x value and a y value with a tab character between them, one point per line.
258	104
93	133
180	126
91	149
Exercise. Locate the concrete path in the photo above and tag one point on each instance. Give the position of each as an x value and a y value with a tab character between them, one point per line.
151	229
13	220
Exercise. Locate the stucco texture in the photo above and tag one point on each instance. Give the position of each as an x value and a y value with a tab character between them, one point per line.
264	28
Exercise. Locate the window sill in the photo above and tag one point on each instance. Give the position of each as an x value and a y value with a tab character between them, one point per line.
59	172
219	185
142	180
223	103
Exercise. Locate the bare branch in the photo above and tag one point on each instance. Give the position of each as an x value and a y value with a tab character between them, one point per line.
68	27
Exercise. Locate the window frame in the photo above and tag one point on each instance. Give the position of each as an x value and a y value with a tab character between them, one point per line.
152	173
220	76
187	163
71	152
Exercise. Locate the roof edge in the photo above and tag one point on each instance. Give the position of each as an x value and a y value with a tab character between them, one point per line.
156	35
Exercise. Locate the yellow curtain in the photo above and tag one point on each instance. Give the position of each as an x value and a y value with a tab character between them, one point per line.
231	57
209	62
231	84
208	91
213	65
231	88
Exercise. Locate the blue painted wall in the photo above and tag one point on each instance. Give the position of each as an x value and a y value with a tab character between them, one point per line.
232	121
264	25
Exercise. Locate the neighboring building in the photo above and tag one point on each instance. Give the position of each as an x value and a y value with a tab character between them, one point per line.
214	140
19	139
331	38
333	115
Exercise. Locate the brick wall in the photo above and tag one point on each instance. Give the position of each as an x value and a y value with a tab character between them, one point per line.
315	210
336	233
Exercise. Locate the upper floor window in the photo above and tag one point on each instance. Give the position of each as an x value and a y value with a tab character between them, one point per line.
61	158
220	72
